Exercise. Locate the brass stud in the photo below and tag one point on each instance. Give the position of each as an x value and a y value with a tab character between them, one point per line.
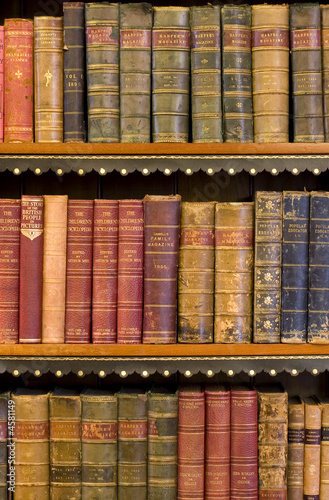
187	373
37	171
16	373
145	171
315	371
37	373
294	372
81	171
230	373
274	171
295	171
123	171
210	373
316	171
167	171
253	171
231	171
102	374
59	171
58	373
145	373
123	373
80	373
210	171
252	373
166	373
188	171
273	373
17	171
102	171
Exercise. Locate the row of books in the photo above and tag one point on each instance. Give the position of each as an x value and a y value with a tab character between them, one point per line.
143	64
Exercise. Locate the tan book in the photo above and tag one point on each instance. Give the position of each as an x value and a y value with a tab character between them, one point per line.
312	449
324	449
296	438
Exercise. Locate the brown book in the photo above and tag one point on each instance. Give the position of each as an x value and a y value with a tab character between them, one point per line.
312	450
296	439
196	273
325	67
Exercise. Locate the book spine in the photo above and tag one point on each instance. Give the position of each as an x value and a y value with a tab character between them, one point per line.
170	74
324	453
270	72
312	452
162	446
296	438
30	269
234	258
74	71
10	214
295	232
102	61
267	271
2	42
306	65
161	242
18	80
196	273
130	272
7	417
206	74
325	67
237	77
54	269
48	79
135	72
105	271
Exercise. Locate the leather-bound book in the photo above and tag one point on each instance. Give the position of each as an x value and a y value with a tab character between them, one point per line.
99	444
161	244
234	259
130	272
217	442
324	448
132	444
135	72
244	479
102	61
325	67
272	442
10	214
105	271
48	79
79	265
18	80
191	444
65	444
270	72
30	269
196	273
30	443
267	270
206	73
162	444
296	439
170	74
237	76
306	66
312	449
295	234
74	71
7	414
2	42
54	268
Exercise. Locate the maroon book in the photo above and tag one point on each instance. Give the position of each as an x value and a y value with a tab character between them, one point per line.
30	270
2	42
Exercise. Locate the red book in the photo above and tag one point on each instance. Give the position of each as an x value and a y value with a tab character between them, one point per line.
217	452
79	271
30	270
130	272
10	217
191	434
18	80
105	271
2	42
244	446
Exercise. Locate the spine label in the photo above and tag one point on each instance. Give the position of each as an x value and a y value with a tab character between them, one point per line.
270	38
307	38
203	39
234	38
173	39
237	237
132	429
197	237
135	39
98	431
105	34
31	430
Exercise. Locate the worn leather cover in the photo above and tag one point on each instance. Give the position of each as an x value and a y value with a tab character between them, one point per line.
324	454
267	269
7	465
18	80
105	271
48	78
2	41
170	74
191	442
74	71
237	77
234	259
306	65
206	73
102	61
295	234
296	438
30	269
270	72
325	67
312	450
161	242
135	72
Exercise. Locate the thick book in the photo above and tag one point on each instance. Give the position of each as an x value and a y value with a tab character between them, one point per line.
206	74
267	267
135	72
105	271
237	76
74	71
306	67
18	80
270	72
48	78
7	459
2	42
234	260
170	74
98	444
324	448
130	272
296	439
79	265
102	62
312	449
196	273
30	269
295	235
325	67
161	245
